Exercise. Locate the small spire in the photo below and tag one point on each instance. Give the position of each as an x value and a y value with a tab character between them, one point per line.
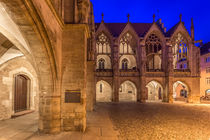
192	30
102	15
153	17
128	16
180	17
192	24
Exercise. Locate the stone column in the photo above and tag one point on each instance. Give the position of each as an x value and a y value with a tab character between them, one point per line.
194	90
91	86
115	63
74	77
68	11
168	88
49	110
142	98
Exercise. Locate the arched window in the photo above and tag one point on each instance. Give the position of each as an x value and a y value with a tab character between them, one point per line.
103	45
124	64
180	51
101	64
153	52
101	88
125	44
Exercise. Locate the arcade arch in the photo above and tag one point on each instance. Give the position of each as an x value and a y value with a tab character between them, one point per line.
180	91
154	91
127	92
103	92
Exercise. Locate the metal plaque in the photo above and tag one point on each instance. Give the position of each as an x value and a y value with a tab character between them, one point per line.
72	96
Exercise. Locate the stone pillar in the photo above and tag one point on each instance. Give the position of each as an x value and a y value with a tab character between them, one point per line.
115	62
115	89
168	86
74	76
143	95
91	86
49	113
194	91
68	11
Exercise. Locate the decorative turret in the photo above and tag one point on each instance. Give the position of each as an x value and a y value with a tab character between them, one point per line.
128	16
102	17
180	18
153	18
192	30
161	25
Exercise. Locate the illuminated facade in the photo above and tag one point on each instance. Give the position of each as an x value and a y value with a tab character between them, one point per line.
205	69
144	62
51	50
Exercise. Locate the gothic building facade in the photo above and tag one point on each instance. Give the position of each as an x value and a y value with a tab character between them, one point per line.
144	62
55	60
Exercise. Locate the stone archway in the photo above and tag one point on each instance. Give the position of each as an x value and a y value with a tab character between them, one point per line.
22	20
180	91
154	91
128	92
103	92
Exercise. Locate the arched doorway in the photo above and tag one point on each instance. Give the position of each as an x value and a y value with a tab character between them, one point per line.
154	91
103	92
22	93
127	92
180	91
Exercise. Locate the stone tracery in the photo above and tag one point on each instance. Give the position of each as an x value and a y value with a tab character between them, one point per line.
153	52
180	52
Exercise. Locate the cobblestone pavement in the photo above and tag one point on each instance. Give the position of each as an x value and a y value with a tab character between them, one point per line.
160	121
124	121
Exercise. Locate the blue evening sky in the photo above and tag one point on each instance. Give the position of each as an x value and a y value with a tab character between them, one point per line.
169	11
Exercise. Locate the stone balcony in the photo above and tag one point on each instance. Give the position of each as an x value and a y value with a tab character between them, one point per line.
182	72
104	73
129	73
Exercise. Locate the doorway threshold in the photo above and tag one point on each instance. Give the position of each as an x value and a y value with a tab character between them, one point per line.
21	113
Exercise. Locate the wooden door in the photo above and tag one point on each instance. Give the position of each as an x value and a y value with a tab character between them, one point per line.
20	98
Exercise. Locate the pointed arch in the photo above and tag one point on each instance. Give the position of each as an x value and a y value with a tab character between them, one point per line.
180	49
127	43
154	52
103	91
103	45
124	64
181	91
155	91
127	92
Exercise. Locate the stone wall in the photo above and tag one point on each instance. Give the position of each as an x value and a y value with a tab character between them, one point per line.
74	76
204	75
8	71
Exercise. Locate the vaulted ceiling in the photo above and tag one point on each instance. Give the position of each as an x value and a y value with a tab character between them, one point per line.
7	50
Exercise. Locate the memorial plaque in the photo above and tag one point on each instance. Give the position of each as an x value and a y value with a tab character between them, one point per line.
72	96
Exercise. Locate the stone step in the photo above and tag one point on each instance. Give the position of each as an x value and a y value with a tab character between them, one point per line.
22	113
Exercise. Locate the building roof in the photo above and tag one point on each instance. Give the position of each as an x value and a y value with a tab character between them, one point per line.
170	32
116	28
205	49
